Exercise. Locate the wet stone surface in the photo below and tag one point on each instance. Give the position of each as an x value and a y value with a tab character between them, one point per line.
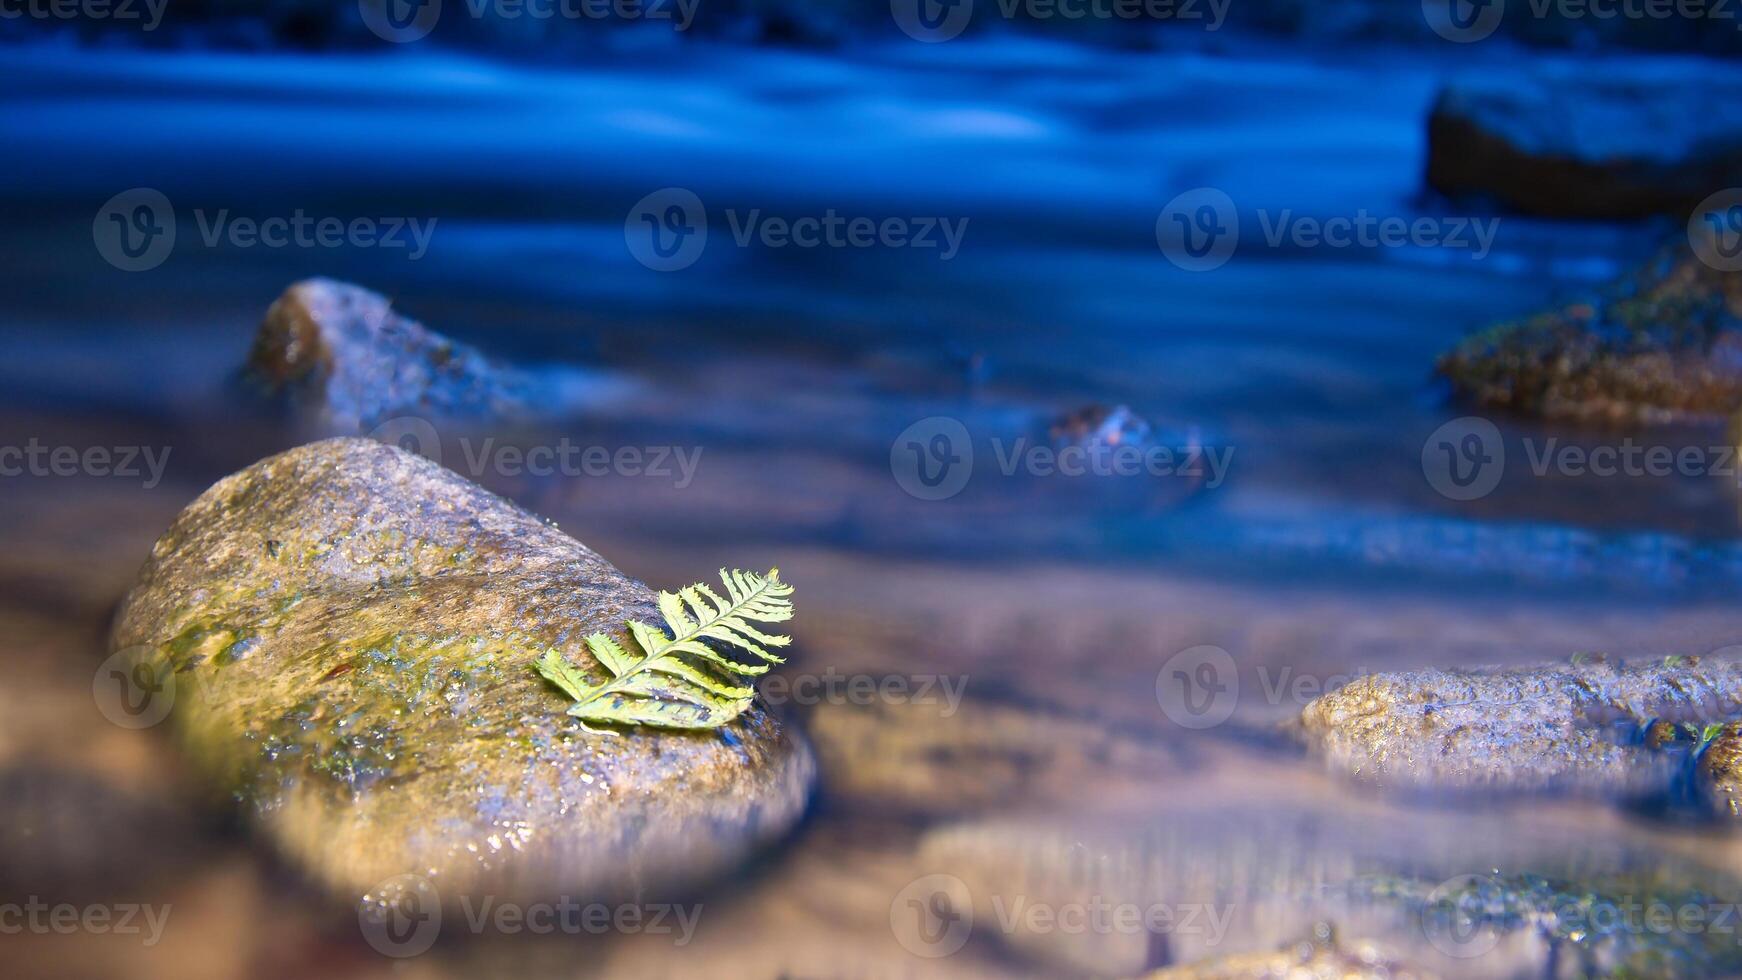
343	356
1630	731
1562	140
1660	345
351	630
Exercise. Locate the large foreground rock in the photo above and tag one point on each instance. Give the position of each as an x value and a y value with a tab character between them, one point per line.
352	629
1589	727
1571	140
1659	346
343	355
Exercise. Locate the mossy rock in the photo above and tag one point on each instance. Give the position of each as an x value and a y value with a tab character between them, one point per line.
1659	346
1588	728
351	630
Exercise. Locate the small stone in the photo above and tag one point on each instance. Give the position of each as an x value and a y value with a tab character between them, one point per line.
1663	734
343	355
1718	774
1660	347
1568	727
1562	140
367	691
1099	425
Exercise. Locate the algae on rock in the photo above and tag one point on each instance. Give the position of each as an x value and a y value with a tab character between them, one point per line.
1658	346
1590	727
351	631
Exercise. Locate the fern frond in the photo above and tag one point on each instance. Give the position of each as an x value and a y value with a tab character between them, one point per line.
694	672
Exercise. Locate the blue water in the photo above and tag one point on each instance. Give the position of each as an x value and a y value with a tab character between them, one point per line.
798	367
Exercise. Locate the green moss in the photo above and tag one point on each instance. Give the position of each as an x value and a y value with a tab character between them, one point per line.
1640	347
198	642
1598	923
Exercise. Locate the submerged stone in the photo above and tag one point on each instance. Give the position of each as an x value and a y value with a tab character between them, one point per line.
1718	774
1562	140
343	354
1591	727
1659	346
350	630
1320	956
1230	890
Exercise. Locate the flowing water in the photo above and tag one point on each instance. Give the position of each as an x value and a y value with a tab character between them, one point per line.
789	375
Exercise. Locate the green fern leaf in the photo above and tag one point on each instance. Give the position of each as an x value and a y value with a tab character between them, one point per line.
682	676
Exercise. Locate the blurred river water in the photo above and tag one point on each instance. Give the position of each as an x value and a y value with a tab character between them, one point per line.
791	378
